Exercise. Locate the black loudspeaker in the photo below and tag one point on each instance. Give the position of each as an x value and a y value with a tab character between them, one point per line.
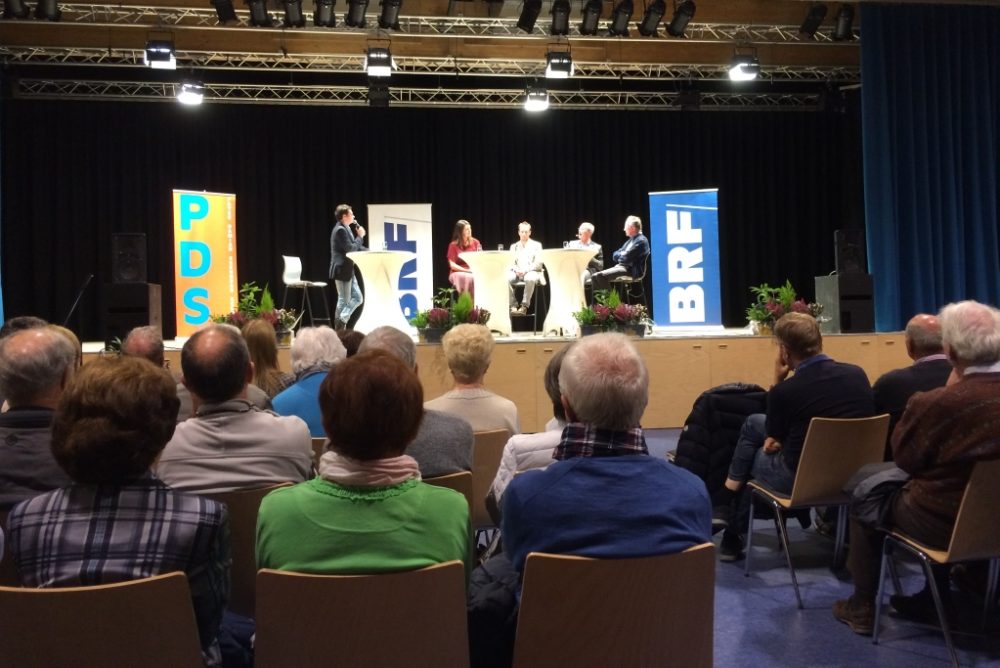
128	257
848	305
131	305
849	249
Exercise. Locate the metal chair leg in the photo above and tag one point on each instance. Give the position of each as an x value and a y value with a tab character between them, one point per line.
884	566
746	558
991	589
783	533
838	546
929	574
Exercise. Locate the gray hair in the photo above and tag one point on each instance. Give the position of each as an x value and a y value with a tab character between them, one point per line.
971	332
586	226
316	346
605	381
32	362
393	341
924	333
147	342
634	221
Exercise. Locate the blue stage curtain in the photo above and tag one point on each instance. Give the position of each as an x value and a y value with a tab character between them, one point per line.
931	143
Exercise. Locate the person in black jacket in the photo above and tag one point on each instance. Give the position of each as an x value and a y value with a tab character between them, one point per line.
347	236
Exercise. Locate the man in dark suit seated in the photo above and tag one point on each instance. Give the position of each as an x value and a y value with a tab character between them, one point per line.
630	259
930	369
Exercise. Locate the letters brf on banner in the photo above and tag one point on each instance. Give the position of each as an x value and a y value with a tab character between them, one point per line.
204	257
684	237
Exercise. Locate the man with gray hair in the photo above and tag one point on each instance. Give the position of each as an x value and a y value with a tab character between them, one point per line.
630	259
939	439
444	442
146	342
35	365
314	351
584	240
230	444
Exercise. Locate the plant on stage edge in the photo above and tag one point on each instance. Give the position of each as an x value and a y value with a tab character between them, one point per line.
445	315
250	307
770	303
609	312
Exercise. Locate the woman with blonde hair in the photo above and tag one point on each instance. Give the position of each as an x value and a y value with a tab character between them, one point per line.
263	345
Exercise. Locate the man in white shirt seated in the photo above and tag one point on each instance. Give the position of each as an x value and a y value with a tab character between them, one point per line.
527	267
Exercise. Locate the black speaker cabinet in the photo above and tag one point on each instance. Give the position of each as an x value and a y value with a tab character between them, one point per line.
849	250
848	304
128	257
131	305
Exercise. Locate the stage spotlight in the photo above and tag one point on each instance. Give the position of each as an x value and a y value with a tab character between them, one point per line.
591	15
378	62
560	17
536	99
355	16
191	93
494	8
258	14
378	94
744	68
651	19
842	29
293	14
620	18
389	16
688	99
15	9
529	14
683	13
225	11
812	21
159	55
48	9
323	15
559	65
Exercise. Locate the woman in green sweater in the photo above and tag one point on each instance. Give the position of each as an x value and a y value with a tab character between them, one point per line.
367	511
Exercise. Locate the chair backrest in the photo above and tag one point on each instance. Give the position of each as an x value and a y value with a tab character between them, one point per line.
8	571
416	618
460	482
834	450
148	622
486	454
319	446
243	506
975	536
293	270
647	611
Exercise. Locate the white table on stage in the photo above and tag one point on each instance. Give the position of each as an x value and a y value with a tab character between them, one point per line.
380	270
565	266
489	272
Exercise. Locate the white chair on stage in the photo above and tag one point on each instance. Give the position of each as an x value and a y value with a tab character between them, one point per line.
292	278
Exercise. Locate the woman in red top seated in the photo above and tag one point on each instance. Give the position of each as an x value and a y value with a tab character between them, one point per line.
461	241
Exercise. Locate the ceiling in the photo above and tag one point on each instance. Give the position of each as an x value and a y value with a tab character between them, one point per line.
446	54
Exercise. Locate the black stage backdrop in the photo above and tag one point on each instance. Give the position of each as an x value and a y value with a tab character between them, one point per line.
75	172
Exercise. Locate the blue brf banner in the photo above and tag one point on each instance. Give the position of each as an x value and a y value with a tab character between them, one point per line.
684	238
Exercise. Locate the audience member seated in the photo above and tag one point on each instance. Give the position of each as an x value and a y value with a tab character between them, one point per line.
603	497
74	341
462	241
468	350
35	365
930	369
524	452
145	342
314	351
942	434
351	339
630	259
116	521
769	446
230	444
443	443
368	511
527	267
262	342
16	324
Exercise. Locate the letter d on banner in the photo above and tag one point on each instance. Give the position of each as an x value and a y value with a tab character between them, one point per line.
204	257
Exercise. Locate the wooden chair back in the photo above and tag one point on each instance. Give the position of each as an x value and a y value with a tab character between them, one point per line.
975	536
415	618
148	622
8	571
834	450
486	454
319	447
460	482
243	506
647	611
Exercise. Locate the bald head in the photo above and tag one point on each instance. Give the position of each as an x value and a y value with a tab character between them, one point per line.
216	363
35	365
146	342
923	336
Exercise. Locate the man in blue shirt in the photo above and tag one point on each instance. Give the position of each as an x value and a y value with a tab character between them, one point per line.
630	259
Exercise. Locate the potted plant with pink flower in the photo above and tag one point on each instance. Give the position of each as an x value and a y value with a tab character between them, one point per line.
770	303
432	323
609	314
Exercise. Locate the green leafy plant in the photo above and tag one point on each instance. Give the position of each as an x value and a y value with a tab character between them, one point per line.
445	315
250	306
770	303
609	311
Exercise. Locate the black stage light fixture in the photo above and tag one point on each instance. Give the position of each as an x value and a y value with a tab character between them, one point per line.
159	55
688	99
323	15
812	21
591	15
258	14
378	62
355	16
225	11
494	8
683	13
842	29
652	17
389	16
378	94
529	14
294	18
48	10
558	65
560	17
620	18
15	9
